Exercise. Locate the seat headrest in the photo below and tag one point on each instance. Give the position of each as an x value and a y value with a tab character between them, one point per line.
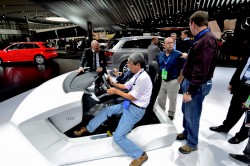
153	68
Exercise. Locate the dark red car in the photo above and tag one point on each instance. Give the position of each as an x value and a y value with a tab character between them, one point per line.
38	52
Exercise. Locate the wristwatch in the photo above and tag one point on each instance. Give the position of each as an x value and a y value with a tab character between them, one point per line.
188	93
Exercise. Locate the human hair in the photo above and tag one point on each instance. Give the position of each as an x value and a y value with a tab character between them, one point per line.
200	18
186	32
137	58
154	38
173	34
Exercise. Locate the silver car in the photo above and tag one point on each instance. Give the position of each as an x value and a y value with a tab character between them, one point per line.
119	50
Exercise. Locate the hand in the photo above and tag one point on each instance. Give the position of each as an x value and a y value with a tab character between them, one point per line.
244	105
99	69
116	73
184	55
112	91
80	70
229	87
187	98
180	78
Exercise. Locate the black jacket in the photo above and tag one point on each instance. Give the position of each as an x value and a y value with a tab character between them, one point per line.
236	83
87	60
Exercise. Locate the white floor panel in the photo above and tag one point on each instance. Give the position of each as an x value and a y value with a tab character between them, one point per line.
213	147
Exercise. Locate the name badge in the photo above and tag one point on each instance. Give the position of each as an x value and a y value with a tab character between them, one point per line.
164	74
247	103
126	104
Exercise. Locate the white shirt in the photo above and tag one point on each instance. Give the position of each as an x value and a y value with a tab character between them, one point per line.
141	89
97	58
245	71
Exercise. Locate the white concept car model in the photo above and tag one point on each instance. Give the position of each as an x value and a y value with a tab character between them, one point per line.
48	116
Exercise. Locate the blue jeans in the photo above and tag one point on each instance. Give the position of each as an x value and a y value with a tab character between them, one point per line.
192	112
129	118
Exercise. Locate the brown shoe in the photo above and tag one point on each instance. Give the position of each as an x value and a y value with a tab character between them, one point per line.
140	160
82	131
181	136
185	149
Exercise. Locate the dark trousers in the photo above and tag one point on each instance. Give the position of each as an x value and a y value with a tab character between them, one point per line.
235	112
247	148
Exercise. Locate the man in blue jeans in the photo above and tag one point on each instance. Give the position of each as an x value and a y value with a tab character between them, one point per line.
197	71
132	109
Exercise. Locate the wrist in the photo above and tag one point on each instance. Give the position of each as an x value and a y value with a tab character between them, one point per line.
187	93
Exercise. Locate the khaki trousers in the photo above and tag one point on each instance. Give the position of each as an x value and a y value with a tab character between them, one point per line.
168	90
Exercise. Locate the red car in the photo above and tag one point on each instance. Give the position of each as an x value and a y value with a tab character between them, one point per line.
38	52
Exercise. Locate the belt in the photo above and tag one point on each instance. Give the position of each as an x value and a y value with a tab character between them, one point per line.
137	105
170	80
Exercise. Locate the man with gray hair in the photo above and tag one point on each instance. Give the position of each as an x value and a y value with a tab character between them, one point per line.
132	109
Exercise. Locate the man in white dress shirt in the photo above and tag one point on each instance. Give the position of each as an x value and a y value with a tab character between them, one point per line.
132	109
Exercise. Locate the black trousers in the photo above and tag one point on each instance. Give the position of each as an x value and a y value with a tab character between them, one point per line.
235	112
247	148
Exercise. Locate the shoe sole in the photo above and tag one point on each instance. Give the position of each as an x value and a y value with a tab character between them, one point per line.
180	139
234	142
237	161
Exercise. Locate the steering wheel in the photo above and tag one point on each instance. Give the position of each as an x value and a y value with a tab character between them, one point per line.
105	82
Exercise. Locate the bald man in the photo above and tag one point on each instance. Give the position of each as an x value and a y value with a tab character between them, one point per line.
94	58
170	62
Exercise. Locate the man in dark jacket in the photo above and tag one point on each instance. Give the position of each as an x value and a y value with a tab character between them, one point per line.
197	71
185	43
94	58
240	90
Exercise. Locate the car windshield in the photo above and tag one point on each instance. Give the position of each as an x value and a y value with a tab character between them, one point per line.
113	43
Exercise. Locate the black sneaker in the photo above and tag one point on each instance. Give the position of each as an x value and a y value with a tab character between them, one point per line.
240	159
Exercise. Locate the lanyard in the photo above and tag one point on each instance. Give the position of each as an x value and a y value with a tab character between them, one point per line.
166	62
136	79
200	34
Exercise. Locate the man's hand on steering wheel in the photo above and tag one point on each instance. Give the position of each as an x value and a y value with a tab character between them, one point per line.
112	91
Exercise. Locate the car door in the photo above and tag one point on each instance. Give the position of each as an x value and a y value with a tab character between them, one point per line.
122	53
27	52
11	53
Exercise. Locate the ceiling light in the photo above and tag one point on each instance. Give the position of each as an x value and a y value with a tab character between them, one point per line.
57	19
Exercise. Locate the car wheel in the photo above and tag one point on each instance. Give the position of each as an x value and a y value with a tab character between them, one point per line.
39	59
1	62
124	66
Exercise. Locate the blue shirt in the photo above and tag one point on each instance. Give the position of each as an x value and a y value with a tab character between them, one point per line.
172	63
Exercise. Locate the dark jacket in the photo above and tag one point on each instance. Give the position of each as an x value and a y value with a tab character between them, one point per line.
237	85
201	61
87	60
184	46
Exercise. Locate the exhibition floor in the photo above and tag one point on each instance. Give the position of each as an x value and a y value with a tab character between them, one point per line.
213	147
